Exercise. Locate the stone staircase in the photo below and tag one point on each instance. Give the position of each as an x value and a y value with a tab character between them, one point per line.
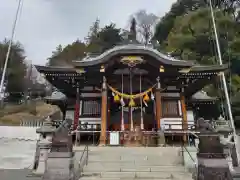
113	163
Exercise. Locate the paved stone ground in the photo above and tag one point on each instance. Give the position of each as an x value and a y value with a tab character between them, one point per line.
127	163
16	154
18	174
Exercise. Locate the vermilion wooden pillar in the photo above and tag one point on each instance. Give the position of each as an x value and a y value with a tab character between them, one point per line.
158	104
184	116
108	114
77	108
103	136
108	121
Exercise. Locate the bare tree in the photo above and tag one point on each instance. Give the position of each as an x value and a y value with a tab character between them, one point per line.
28	81
145	24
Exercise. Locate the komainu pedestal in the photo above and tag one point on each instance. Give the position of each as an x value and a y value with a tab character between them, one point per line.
212	164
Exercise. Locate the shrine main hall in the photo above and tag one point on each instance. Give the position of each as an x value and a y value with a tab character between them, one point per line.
133	87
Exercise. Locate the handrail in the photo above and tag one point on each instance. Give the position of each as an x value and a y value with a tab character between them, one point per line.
194	134
82	162
189	154
194	162
84	150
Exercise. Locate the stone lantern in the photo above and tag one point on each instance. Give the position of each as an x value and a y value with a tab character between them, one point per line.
212	163
46	130
44	146
222	127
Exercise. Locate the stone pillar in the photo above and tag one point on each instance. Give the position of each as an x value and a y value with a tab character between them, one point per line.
158	104
184	115
104	113
211	159
44	146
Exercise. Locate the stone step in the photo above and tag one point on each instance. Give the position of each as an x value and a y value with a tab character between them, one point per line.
132	157
136	154
155	161
139	151
97	178
135	160
129	154
106	148
142	175
117	153
140	163
131	168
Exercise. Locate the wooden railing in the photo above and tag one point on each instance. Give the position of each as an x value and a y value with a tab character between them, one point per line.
168	129
97	127
170	126
87	127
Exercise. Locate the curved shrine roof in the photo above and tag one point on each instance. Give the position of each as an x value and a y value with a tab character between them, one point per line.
194	68
202	96
56	96
187	67
131	49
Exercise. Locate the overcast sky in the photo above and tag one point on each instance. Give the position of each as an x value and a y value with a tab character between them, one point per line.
43	24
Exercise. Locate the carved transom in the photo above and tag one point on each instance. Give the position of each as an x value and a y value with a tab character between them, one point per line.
132	61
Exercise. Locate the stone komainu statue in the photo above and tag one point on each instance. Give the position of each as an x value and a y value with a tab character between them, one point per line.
203	125
212	163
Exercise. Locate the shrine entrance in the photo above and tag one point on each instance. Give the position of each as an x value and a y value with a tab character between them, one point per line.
130	100
115	116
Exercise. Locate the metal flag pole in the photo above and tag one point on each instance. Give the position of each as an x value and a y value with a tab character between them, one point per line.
225	88
9	50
